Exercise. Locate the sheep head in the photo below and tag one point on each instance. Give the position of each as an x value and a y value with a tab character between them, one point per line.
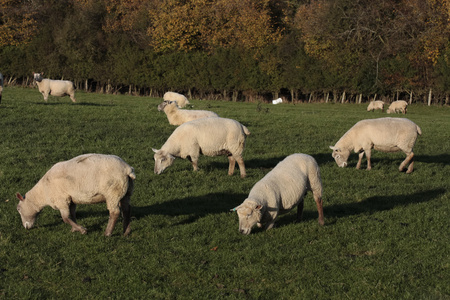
27	210
340	156
163	160
38	76
250	214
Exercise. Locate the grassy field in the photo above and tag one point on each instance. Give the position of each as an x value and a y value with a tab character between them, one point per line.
386	233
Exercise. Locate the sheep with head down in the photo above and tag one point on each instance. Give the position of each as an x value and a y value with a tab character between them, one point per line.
85	179
281	190
178	116
383	134
207	136
57	88
400	106
374	105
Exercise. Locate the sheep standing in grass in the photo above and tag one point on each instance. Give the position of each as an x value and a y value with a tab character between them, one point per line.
178	116
384	134
373	105
207	136
85	179
181	100
279	191
398	106
57	88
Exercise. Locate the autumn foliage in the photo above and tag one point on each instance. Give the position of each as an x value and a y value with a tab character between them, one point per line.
232	47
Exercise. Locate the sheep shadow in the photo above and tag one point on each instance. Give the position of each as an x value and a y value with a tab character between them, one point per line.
434	159
369	206
194	207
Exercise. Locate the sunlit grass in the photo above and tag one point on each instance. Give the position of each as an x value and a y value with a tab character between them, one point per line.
385	236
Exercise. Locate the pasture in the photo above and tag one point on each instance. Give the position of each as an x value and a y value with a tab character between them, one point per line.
386	233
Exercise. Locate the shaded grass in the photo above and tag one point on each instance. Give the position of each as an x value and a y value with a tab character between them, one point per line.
385	236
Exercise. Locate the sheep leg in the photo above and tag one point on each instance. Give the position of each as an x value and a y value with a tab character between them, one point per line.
358	165
113	216
232	164
368	154
408	160
75	227
72	97
319	204
72	209
300	211
126	214
45	96
241	164
194	161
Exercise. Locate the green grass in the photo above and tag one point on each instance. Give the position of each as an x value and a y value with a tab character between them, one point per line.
386	233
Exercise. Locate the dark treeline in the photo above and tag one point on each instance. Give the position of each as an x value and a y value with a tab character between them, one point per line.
328	50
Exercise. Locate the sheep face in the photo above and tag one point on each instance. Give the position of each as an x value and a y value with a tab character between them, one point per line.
28	212
163	160
340	156
38	77
249	214
162	105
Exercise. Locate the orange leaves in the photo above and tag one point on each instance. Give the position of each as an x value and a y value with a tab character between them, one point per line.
17	25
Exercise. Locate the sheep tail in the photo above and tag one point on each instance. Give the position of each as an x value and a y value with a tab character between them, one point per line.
246	131
131	174
419	131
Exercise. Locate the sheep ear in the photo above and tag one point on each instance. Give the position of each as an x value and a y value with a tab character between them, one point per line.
258	207
19	196
155	150
332	147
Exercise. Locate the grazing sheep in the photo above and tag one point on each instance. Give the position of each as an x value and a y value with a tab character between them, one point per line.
57	88
178	116
207	136
398	106
85	179
373	105
181	100
384	134
279	191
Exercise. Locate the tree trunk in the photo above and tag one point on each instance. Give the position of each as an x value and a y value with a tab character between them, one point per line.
446	99
410	97
343	97
292	95
429	98
375	97
360	98
327	97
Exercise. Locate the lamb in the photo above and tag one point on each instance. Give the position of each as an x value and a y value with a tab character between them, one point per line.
279	191
179	116
383	134
85	179
57	88
181	100
398	106
207	136
373	105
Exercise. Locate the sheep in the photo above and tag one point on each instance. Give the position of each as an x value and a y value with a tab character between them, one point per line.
279	191
373	105
57	88
181	100
383	134
85	179
179	116
207	136
398	106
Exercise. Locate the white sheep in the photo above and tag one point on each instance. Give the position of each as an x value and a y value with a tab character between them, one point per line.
178	116
181	100
383	134
373	105
281	190
57	88
398	106
85	179
207	136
